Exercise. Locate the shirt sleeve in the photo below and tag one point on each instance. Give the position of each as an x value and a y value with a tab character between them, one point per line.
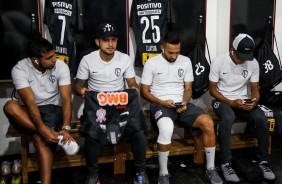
214	72
20	77
147	74
129	72
255	75
63	73
83	70
189	77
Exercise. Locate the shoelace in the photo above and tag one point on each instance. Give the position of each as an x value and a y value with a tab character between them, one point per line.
229	169
265	167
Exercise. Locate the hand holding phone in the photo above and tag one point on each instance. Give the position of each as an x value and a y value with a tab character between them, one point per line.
177	104
248	100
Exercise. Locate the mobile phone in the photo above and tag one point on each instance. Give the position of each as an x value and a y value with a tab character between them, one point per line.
248	100
178	104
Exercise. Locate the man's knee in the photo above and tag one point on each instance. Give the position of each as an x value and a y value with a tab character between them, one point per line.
165	126
205	123
9	106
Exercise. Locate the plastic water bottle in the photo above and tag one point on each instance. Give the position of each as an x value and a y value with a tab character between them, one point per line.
140	179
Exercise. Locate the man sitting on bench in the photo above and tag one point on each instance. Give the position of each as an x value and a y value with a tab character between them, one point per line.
104	72
43	109
230	77
167	79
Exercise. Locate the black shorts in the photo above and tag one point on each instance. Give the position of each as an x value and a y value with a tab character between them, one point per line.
185	119
51	116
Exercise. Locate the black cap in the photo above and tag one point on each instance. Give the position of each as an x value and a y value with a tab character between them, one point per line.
104	30
243	46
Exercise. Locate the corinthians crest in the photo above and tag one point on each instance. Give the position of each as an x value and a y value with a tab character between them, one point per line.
101	114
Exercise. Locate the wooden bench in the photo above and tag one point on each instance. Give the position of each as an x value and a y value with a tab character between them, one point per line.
241	140
118	154
109	154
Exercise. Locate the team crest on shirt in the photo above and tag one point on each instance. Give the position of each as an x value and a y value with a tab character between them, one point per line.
101	115
158	114
52	78
245	73
117	72
180	72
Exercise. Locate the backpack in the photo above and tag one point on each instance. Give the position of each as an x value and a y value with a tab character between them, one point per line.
270	66
248	169
201	66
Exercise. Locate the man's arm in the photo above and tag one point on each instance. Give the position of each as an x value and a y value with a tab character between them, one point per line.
217	95
79	87
146	94
255	94
131	82
187	92
65	92
26	94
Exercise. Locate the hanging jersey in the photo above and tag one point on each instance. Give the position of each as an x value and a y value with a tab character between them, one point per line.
64	19
149	21
108	115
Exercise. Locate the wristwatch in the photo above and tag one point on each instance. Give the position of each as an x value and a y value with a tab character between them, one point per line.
66	127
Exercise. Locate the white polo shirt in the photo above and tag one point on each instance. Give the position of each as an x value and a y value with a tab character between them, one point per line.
105	76
167	79
233	80
45	86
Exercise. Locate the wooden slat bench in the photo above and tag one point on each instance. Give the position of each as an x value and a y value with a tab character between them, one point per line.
240	140
29	163
118	154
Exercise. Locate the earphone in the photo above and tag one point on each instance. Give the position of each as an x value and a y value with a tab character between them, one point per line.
36	61
163	50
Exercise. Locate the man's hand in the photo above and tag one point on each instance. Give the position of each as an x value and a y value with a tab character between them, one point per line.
48	134
237	103
168	104
248	106
83	91
66	136
181	108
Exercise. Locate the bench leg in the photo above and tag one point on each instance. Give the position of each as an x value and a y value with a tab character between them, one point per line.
24	153
198	150
119	158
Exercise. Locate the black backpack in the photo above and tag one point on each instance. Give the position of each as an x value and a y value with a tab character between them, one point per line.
248	169
201	66
270	66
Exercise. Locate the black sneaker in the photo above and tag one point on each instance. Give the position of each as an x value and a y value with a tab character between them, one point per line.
267	172
141	178
92	180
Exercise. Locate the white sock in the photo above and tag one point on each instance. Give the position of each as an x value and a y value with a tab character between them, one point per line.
163	158
210	154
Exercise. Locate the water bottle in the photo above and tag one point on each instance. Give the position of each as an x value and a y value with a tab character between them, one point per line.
140	179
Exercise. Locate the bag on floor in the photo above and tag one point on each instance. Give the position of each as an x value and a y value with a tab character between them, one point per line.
248	169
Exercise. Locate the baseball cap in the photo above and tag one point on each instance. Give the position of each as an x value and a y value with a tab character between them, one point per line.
243	46
104	30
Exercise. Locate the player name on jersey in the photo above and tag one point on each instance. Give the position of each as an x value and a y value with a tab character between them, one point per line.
64	19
